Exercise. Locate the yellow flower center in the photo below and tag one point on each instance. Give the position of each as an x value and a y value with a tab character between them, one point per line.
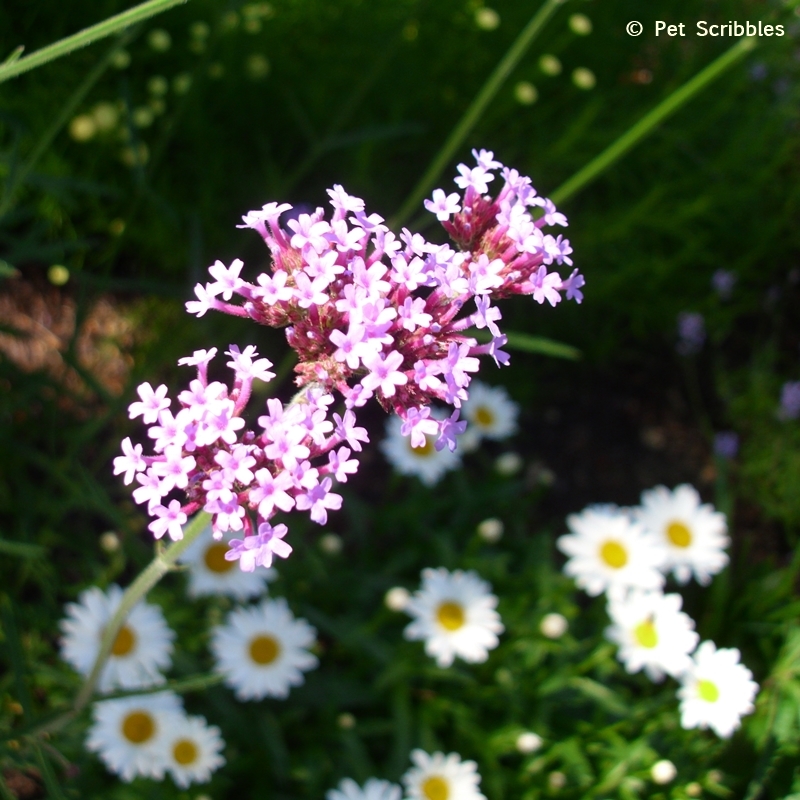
184	752
264	650
138	727
679	534
614	554
426	450
708	691
215	558
435	788
645	634
450	615
124	643
484	416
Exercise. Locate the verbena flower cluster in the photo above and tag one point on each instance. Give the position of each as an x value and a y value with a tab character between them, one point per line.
368	314
626	553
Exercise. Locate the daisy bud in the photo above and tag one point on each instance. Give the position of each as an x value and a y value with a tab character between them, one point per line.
528	742
490	530
397	598
330	544
556	780
109	542
346	721
693	789
663	771
508	464
553	626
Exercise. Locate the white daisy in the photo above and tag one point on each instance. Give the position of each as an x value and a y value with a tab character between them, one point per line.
717	691
608	552
427	463
192	749
261	650
441	777
142	647
374	789
455	614
652	633
693	534
490	414
129	734
210	574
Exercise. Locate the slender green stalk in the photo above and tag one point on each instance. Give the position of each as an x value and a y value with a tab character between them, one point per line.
476	109
645	125
146	580
85	37
69	108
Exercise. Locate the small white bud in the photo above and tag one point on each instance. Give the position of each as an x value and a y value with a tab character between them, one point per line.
663	771
529	742
508	464
556	780
396	599
109	542
490	530
553	626
331	544
346	721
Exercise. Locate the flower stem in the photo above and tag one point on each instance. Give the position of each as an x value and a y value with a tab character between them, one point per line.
13	67
647	123
476	109
147	579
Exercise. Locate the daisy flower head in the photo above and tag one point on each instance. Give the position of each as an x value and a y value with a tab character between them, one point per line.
210	573
140	652
454	613
426	462
717	691
373	789
193	749
693	533
608	552
441	777
129	734
262	650
652	633
490	414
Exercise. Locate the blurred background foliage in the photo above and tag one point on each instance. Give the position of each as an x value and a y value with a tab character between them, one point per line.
215	108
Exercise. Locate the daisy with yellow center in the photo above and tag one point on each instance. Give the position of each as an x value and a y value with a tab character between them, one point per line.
693	533
441	777
426	462
608	552
129	734
454	614
717	691
210	574
261	650
490	414
193	750
652	633
140	652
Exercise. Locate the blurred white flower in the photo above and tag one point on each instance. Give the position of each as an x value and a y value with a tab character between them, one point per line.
441	777
262	650
693	534
140	652
211	574
553	626
129	734
373	789
193	749
652	633
717	691
454	613
609	552
426	462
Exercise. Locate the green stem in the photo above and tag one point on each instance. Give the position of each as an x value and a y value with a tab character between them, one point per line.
85	37
146	580
645	125
476	109
60	121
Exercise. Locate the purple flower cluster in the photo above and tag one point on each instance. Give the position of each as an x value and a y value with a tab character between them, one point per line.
790	400
368	314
